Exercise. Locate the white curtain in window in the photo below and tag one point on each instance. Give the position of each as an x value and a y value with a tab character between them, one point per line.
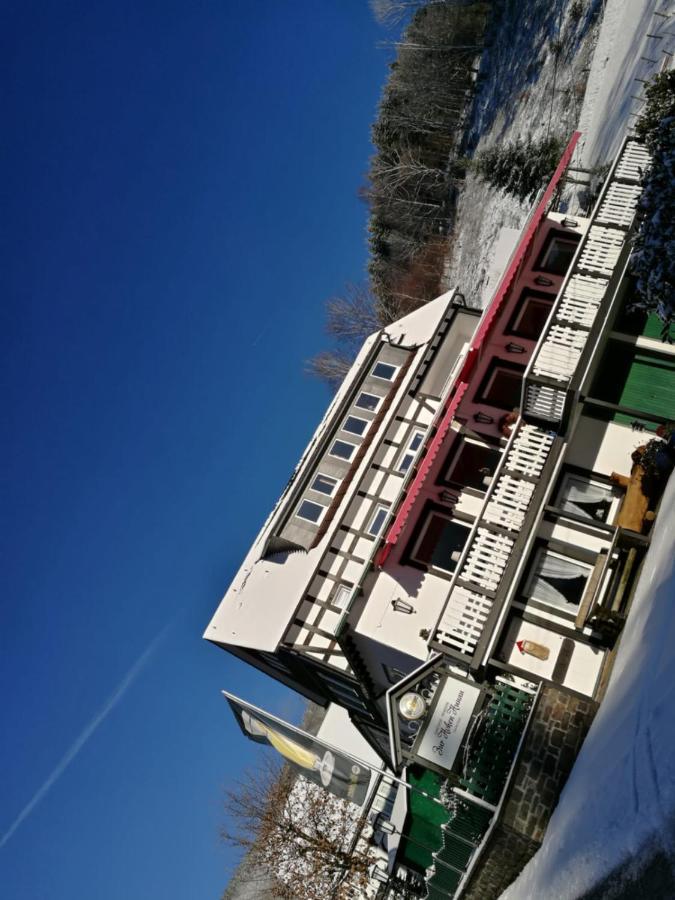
586	499
558	581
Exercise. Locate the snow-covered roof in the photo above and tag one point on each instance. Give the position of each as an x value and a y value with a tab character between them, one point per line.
419	326
264	594
256	609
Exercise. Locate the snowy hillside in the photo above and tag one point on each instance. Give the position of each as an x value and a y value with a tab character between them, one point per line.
534	80
552	70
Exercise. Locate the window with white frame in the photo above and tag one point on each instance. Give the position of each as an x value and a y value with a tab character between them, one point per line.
310	511
440	542
342	449
385	371
411	451
371	402
324	484
556	580
355	425
378	520
341	596
587	497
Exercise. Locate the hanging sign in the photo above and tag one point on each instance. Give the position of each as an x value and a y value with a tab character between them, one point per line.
447	723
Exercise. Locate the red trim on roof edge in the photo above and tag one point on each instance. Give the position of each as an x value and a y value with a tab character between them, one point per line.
486	323
484	329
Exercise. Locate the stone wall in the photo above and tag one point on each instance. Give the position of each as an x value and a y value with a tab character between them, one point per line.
557	729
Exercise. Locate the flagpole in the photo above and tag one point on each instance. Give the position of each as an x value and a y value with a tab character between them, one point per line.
342	752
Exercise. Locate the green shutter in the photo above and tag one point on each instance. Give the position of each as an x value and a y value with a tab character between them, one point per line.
637	379
653	327
649	387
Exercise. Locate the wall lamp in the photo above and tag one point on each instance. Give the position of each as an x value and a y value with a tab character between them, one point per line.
483	418
402	606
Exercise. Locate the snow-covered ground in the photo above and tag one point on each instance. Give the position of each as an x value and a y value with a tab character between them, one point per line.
537	82
535	75
618	807
636	38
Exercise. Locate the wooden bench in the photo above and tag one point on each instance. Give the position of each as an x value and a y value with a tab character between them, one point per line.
634	509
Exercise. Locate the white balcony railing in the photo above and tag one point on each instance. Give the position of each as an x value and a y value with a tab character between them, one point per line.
484	560
575	311
513	492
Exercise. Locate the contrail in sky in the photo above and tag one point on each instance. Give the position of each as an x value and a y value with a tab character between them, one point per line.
84	736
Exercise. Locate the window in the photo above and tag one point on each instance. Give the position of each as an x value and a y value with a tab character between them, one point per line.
556	580
384	370
310	511
342	449
368	401
341	596
589	498
530	315
557	252
355	425
409	454
502	385
440	542
378	520
472	465
324	484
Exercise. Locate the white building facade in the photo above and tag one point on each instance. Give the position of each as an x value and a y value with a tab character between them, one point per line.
464	530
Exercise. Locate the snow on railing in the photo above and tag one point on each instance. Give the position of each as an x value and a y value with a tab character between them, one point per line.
575	311
633	162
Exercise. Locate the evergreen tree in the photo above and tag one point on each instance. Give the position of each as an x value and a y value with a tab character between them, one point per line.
520	168
653	262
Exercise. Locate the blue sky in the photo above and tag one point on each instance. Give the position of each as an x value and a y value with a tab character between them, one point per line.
179	197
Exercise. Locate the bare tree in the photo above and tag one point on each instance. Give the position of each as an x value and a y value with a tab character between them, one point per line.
350	319
330	366
403	173
353	316
304	835
357	314
391	12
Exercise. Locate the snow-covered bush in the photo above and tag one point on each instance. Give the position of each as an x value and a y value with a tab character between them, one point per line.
654	257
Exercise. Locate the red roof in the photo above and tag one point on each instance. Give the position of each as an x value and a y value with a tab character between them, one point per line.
516	260
482	332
